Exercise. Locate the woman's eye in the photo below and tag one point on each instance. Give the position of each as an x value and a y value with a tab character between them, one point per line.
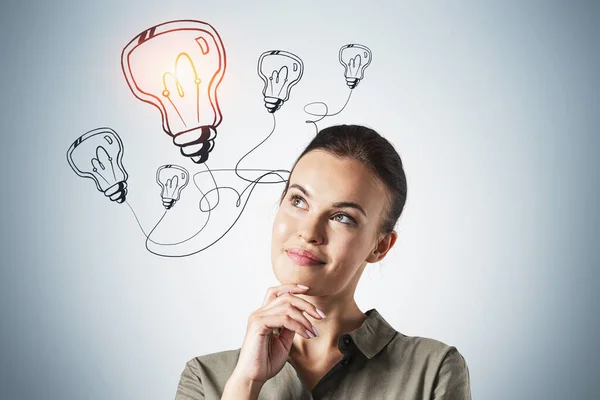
349	218
294	199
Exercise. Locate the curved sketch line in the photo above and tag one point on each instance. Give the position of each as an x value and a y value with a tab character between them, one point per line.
254	148
326	114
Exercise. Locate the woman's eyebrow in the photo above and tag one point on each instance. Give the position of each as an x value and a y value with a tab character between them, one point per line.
339	204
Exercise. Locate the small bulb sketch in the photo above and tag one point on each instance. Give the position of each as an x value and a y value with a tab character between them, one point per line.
97	155
355	58
177	66
280	71
172	179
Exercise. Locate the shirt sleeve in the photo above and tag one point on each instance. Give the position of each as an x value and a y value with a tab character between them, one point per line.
190	384
452	381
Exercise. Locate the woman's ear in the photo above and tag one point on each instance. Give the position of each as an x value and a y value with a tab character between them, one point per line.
383	246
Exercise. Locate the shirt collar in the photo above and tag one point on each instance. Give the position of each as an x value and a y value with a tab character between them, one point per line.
372	336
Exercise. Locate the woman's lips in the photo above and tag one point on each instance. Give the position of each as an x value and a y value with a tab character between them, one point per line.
302	260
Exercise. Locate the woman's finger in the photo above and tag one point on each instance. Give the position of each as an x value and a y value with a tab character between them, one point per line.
276	291
297	302
270	322
289	309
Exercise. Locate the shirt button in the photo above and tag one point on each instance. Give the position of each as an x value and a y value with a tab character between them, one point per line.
345	362
347	340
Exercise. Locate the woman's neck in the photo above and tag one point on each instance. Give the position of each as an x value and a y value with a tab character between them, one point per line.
338	321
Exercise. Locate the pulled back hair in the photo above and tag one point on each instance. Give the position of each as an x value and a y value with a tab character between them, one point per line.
365	145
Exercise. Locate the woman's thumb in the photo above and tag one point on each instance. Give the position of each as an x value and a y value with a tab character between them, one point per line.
286	337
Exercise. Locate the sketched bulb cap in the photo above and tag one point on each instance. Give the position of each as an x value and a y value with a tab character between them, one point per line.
117	192
168	203
352	82
196	143
273	104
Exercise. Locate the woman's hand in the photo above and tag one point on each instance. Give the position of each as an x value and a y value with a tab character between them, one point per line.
264	353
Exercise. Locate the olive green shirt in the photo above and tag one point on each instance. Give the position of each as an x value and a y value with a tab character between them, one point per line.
378	363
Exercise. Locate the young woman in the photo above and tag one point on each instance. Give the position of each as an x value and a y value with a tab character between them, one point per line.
309	339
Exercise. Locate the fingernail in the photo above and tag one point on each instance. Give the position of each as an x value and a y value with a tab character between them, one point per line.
321	313
302	286
315	329
309	333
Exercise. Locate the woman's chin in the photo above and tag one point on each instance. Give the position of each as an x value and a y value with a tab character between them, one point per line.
290	273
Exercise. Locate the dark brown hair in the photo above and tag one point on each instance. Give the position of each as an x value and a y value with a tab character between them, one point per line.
363	144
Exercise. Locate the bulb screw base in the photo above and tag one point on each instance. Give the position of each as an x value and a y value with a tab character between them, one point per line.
117	192
273	103
352	82
196	143
168	203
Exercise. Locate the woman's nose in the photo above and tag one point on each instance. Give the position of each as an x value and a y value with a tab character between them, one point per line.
311	231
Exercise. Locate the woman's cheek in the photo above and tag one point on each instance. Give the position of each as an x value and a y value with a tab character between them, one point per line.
353	249
280	228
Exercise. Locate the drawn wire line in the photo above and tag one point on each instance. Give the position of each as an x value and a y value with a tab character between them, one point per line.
147	235
254	183
255	147
238	203
326	111
216	188
183	241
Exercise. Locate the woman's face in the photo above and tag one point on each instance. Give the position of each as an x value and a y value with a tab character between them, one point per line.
321	212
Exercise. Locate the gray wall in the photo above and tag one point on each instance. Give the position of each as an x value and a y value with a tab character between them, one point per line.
494	109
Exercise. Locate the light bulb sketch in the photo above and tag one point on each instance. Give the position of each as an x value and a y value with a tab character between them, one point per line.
355	58
280	71
177	66
172	179
98	155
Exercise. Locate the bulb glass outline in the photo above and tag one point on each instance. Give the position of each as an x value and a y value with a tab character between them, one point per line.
172	179
355	58
98	155
280	71
177	66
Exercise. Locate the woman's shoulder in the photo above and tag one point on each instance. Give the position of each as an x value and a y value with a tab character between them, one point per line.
378	334
223	360
424	351
205	376
421	344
